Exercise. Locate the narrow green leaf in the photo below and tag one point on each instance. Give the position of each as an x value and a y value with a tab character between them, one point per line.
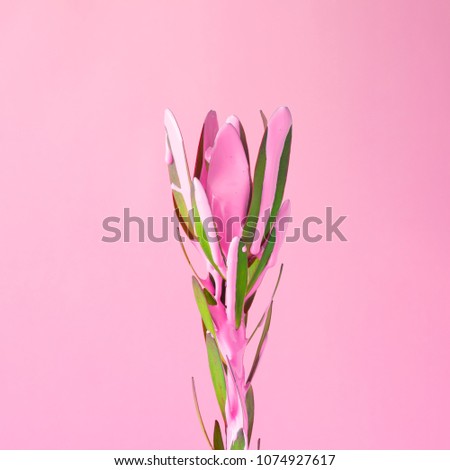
250	404
264	314
257	326
239	442
199	160
202	237
282	174
202	305
199	415
264	119
278	281
217	373
182	214
281	179
247	305
268	250
261	343
209	297
217	440
245	147
258	180
200	232
252	268
241	282
244	141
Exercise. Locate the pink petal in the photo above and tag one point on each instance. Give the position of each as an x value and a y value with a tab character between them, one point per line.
228	184
204	210
230	293
234	121
175	154
235	409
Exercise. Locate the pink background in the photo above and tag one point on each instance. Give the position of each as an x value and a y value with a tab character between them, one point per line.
98	341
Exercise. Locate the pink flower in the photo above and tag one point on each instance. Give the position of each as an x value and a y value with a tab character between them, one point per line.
225	214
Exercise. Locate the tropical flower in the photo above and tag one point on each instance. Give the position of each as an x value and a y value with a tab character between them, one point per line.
237	223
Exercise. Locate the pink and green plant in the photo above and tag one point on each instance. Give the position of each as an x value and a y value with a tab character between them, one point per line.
237	255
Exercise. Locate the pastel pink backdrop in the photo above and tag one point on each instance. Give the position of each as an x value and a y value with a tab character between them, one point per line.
98	341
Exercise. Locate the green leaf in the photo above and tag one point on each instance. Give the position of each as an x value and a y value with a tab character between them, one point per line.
200	160
209	297
239	442
268	250
264	314
241	282
202	237
218	441
257	326
281	179
183	214
244	141
252	268
202	305
278	281
261	343
247	305
199	415
200	232
245	147
258	180
264	119
250	404
217	373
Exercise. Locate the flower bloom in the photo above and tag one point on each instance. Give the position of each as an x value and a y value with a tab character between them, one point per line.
237	224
